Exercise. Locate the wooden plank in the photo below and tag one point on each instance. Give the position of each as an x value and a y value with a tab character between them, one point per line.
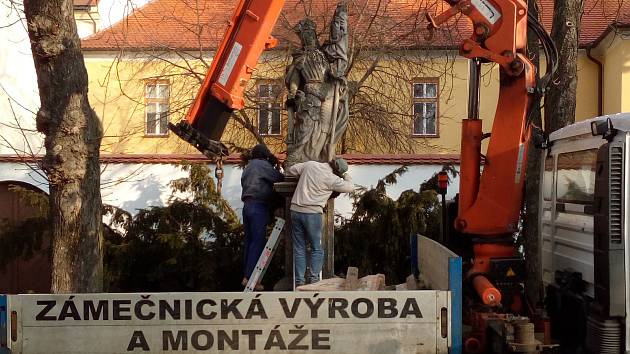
352	279
401	287
328	240
411	283
372	282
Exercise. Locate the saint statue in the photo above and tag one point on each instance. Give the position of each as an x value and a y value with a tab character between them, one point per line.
317	99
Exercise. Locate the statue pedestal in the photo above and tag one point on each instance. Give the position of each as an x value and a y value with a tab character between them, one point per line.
328	240
286	190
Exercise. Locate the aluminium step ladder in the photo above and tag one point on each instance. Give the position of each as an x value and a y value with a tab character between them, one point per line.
265	256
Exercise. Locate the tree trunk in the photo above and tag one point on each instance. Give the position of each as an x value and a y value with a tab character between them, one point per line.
561	98
532	189
72	138
560	103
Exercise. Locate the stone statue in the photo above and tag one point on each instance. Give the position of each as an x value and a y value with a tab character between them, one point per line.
317	101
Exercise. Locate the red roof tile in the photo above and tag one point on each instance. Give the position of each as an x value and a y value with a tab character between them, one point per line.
353	159
193	24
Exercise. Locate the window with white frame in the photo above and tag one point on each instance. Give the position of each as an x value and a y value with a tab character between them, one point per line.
156	97
425	108
269	107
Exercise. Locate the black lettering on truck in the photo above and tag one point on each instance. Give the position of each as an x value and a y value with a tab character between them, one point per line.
138	341
43	314
174	343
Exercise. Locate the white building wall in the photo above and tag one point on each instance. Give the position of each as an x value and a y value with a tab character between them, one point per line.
87	21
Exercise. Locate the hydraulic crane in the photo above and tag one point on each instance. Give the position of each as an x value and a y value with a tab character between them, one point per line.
490	200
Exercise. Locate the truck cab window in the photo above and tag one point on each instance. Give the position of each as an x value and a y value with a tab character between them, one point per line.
576	177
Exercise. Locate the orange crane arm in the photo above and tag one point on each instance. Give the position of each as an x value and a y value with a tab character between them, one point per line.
490	201
248	34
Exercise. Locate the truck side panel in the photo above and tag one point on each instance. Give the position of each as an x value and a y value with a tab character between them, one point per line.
455	285
331	322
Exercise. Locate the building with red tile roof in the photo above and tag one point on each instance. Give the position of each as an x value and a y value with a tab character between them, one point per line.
191	25
181	34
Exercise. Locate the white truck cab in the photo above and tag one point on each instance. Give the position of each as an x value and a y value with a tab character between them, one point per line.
585	250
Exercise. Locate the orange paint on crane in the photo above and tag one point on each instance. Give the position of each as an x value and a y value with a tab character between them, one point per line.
470	163
248	35
490	295
500	188
490	201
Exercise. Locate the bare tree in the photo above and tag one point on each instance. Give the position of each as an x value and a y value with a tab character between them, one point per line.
560	101
72	139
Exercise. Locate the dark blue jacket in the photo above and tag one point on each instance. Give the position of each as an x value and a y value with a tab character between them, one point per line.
258	179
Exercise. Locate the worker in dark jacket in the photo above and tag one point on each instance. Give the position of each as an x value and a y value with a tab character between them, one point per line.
257	183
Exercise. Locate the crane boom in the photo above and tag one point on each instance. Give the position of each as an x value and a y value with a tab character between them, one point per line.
248	34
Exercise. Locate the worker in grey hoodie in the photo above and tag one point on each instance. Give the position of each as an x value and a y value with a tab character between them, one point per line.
257	183
318	180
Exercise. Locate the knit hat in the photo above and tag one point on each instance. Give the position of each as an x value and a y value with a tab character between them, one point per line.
341	165
261	151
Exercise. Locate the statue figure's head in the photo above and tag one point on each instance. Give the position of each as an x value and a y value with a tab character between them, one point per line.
307	32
